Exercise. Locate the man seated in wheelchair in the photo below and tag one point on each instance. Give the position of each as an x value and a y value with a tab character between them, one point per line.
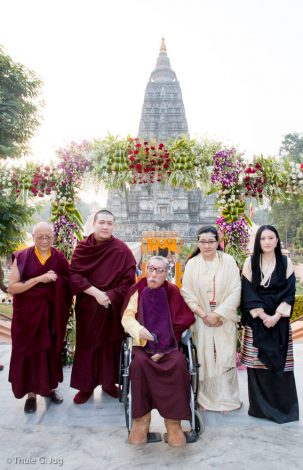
155	316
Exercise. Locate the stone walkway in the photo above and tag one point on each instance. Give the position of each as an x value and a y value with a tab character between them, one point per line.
93	436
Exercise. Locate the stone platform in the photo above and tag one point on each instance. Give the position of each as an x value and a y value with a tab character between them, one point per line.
93	436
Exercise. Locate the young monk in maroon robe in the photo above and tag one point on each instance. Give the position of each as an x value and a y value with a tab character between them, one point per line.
102	270
41	303
155	315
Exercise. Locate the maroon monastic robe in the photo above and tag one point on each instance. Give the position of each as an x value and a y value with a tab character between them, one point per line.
165	384
109	266
39	322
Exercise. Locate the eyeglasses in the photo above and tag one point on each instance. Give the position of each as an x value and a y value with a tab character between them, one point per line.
42	237
151	269
207	242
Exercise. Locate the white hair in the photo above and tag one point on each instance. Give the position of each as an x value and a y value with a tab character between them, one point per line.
160	258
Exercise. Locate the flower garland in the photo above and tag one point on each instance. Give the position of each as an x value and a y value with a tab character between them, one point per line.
181	163
63	180
254	180
295	183
233	223
148	163
70	171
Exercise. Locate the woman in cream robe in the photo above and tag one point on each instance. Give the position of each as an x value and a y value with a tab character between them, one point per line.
211	287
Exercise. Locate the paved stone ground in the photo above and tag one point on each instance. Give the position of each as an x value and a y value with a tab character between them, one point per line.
93	435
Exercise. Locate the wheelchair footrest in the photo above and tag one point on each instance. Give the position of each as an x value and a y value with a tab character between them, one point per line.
153	437
190	436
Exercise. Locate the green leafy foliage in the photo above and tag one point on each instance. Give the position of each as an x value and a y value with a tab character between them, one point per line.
14	217
19	108
292	147
298	308
287	216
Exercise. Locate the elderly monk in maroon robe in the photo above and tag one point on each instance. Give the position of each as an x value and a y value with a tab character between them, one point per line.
155	315
41	303
102	270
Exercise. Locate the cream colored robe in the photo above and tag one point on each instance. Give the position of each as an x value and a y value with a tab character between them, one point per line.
216	346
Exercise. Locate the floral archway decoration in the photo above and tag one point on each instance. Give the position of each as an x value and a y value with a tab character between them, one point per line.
118	163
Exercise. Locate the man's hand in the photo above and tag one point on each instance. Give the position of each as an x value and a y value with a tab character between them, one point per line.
145	334
102	298
156	357
50	276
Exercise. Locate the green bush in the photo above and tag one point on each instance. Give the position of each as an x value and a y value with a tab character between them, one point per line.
298	308
6	310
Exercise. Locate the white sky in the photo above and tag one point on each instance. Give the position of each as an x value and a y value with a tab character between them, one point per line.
239	64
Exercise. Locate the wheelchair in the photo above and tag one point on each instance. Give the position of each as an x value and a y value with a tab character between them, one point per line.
125	397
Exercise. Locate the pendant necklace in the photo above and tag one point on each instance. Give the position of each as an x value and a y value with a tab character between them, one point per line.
212	302
269	269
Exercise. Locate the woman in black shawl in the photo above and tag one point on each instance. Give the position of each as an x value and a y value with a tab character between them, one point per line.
268	294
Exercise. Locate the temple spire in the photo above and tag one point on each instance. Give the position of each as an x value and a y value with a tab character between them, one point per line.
163	113
163	46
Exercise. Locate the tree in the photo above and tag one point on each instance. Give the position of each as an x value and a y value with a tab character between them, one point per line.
19	108
14	216
292	147
19	119
298	241
287	216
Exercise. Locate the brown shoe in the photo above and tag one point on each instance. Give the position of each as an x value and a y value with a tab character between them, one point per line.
1	366
175	435
82	397
139	430
30	405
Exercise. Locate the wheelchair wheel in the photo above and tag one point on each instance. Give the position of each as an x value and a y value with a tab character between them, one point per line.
127	410
199	423
123	375
196	365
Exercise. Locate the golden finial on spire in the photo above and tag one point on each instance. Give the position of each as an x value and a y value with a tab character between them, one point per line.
163	46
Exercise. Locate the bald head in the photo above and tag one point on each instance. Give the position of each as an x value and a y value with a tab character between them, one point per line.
42	226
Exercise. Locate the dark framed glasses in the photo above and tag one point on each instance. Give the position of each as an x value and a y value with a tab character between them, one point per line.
151	269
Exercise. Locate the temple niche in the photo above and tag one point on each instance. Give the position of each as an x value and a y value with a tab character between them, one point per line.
147	208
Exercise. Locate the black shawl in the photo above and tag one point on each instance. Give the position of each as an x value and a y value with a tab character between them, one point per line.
272	343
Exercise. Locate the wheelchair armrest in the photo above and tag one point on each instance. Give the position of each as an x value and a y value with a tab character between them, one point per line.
186	336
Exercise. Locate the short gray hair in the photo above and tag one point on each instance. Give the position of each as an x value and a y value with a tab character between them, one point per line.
160	258
43	225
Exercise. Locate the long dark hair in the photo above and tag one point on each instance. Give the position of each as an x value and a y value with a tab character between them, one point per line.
281	266
205	229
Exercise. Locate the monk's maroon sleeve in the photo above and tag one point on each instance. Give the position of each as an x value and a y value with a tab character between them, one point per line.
77	274
127	279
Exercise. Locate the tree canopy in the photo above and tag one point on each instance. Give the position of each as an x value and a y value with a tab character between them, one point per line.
19	119
292	147
19	106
